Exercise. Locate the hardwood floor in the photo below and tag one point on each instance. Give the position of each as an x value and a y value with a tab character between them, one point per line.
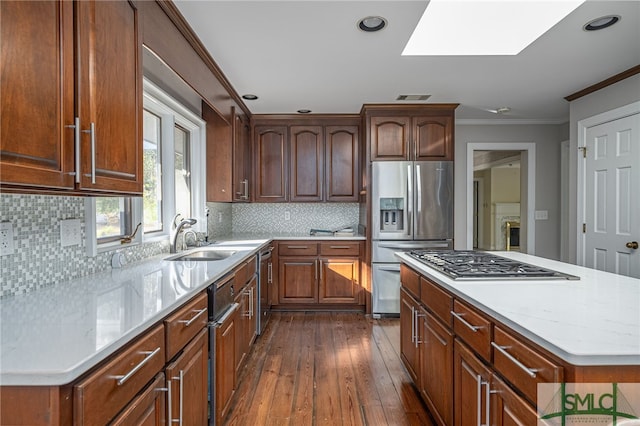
319	368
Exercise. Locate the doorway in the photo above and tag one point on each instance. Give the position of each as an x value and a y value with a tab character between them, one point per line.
506	153
496	179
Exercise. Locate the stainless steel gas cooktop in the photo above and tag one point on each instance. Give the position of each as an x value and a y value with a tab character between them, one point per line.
476	265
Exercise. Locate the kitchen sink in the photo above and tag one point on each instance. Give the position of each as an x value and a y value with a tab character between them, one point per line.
204	255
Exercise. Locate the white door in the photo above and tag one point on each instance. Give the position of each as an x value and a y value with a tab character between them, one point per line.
612	206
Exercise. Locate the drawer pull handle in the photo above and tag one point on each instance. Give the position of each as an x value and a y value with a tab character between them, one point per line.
340	247
458	316
502	349
187	323
134	370
298	247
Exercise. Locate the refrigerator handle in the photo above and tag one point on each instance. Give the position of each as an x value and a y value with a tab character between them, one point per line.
418	190
409	215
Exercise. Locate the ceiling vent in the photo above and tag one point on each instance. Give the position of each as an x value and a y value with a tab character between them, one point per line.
412	97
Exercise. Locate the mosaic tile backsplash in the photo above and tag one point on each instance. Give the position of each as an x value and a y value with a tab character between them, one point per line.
271	217
39	260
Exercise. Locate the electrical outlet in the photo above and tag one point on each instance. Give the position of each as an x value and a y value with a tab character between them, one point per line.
219	217
287	215
6	238
541	214
70	232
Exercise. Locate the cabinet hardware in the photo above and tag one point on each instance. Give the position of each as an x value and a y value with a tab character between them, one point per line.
270	273
76	142
181	379
458	316
340	247
245	186
187	323
169	402
92	132
413	324
321	266
134	370
297	247
479	382
502	349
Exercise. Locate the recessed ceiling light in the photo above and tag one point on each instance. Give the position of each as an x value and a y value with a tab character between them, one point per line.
249	97
372	24
304	111
500	27
601	23
502	110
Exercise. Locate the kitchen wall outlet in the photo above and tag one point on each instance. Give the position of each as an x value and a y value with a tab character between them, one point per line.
70	232
287	215
542	214
6	238
219	217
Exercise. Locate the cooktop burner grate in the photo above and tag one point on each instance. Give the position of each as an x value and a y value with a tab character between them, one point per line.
472	265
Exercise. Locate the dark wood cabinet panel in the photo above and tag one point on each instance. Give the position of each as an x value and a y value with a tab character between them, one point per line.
271	159
45	143
37	86
342	163
148	408
339	280
433	138
306	163
436	369
109	84
409	334
389	138
219	156
241	158
508	409
225	375
297	279
470	384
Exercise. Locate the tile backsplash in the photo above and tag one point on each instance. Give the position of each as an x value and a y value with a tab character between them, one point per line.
39	260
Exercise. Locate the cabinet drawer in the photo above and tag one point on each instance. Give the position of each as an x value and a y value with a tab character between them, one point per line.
184	324
473	328
251	267
296	248
522	365
410	280
244	272
436	300
340	248
100	396
149	406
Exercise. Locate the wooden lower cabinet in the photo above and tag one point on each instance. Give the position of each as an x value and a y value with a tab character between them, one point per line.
507	408
188	380
470	381
297	277
246	330
339	280
148	409
436	368
409	308
225	377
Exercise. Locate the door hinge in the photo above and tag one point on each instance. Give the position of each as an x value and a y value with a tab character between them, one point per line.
584	151
584	228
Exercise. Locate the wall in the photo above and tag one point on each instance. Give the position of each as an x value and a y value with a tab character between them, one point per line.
611	97
547	138
39	260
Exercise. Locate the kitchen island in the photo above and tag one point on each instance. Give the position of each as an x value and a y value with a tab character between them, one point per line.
510	335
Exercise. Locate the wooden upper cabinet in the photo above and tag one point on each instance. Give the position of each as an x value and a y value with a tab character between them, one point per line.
306	163
342	163
37	86
433	138
219	156
40	84
241	158
109	82
271	159
390	138
410	132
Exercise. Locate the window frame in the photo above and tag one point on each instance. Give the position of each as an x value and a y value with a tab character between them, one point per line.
172	113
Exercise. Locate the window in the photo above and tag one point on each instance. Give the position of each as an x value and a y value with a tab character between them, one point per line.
174	176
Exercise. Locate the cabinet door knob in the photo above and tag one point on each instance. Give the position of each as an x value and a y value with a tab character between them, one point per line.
632	245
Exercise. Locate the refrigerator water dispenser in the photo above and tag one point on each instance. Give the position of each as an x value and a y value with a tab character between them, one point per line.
392	214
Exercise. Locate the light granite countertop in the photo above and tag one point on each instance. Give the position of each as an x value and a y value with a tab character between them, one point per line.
53	335
591	321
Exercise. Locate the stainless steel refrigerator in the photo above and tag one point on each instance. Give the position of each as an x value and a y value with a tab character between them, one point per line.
412	208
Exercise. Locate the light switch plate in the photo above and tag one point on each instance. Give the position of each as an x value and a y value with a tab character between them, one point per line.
542	214
70	232
6	238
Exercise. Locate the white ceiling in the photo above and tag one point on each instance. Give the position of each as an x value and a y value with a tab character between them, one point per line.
309	54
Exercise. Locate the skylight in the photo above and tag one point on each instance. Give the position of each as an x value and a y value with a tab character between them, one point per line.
484	27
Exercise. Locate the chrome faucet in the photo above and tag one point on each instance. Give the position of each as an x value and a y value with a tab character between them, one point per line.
176	227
